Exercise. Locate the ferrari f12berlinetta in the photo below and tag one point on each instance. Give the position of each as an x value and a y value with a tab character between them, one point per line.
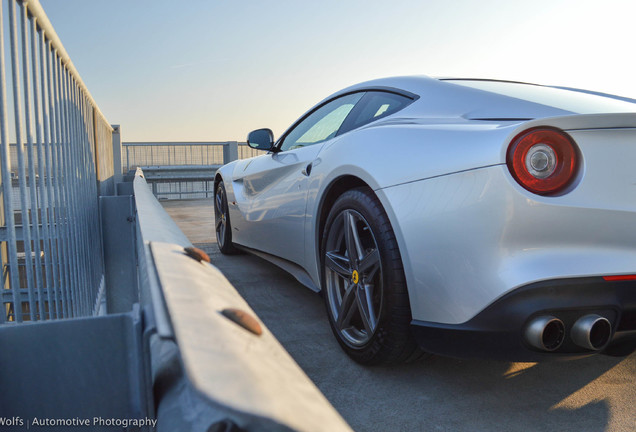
464	217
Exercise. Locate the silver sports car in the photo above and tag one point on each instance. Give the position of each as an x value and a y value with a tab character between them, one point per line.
463	217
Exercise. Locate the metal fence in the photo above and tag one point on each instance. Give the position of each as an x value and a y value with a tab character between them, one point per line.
50	239
142	154
182	170
148	353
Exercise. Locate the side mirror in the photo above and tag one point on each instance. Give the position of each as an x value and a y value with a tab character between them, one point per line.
261	139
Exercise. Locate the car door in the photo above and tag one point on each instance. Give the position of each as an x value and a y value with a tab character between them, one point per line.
271	190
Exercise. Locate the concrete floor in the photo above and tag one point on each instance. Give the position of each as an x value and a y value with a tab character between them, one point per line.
435	394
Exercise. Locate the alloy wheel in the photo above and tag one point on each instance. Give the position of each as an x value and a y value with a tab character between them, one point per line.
353	275
220	215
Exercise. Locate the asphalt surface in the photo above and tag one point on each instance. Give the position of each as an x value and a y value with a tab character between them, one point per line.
435	394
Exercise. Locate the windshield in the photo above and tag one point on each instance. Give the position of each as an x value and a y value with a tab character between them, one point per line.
568	100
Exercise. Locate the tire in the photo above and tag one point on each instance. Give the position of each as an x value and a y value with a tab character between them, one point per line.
364	285
222	225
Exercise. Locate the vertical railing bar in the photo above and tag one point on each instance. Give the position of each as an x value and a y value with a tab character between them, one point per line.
7	188
86	287
73	173
59	279
97	154
68	189
97	256
45	169
75	179
76	175
95	239
69	181
17	106
82	168
84	202
94	246
62	241
26	80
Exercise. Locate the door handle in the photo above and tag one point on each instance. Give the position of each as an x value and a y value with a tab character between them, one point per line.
307	170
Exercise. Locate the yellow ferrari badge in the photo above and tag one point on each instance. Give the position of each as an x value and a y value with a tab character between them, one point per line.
355	277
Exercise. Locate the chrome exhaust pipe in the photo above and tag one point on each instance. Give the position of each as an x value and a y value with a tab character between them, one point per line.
591	332
545	333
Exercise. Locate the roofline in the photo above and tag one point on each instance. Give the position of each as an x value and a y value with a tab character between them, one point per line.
490	80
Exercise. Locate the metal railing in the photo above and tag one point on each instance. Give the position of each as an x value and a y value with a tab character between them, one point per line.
182	170
169	352
141	154
50	239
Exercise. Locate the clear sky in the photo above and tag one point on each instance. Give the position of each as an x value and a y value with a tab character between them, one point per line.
212	70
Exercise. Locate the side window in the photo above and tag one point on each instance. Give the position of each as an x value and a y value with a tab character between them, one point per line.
373	106
322	124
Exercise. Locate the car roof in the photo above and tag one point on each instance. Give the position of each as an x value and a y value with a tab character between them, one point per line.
493	98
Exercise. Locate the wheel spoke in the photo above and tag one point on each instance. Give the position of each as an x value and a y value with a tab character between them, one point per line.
348	307
219	222
338	264
219	202
364	298
351	237
370	264
367	314
222	232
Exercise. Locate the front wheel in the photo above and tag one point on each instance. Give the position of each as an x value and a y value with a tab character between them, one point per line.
222	225
364	284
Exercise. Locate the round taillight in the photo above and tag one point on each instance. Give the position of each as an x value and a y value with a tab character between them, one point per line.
543	160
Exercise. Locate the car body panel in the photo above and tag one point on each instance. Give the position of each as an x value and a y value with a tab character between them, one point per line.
268	202
490	236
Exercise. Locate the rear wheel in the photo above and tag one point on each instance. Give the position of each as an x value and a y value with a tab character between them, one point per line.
222	224
364	284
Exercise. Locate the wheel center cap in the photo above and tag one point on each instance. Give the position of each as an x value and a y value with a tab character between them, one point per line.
355	277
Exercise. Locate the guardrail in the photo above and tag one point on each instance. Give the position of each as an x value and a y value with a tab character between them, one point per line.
50	242
229	366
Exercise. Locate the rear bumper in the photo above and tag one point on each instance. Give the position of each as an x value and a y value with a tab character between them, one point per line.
498	331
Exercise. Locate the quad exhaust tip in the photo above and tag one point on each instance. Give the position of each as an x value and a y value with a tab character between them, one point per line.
591	332
545	333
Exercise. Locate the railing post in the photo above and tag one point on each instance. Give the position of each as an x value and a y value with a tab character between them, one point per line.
230	151
117	154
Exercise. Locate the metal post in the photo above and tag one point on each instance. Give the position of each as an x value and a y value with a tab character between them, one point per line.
127	159
8	246
22	173
35	214
117	154
230	151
